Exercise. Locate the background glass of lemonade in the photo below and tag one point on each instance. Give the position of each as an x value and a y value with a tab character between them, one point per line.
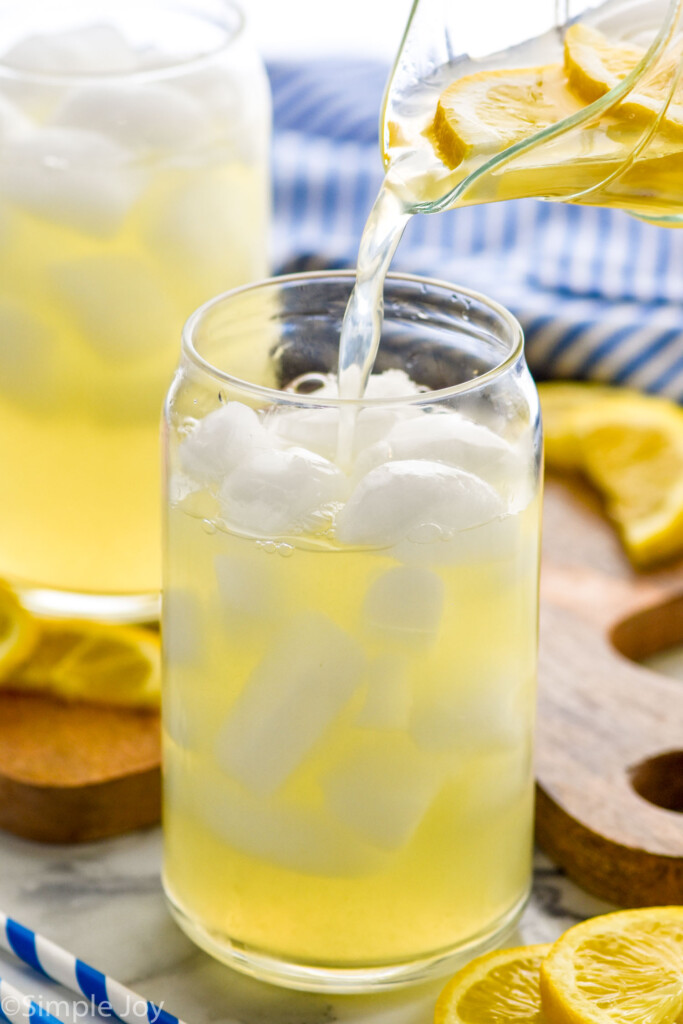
133	186
350	639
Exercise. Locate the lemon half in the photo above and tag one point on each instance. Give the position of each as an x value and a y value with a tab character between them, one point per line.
18	632
622	968
102	664
630	446
499	988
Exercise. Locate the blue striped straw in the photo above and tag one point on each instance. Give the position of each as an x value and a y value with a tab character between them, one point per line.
109	996
17	1008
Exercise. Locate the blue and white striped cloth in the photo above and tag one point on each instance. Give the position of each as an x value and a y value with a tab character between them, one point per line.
599	294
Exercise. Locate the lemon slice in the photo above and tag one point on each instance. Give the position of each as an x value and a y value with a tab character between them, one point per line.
594	66
18	632
630	446
484	113
499	988
101	664
623	968
560	402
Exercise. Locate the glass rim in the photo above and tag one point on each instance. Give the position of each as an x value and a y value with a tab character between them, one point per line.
173	69
190	351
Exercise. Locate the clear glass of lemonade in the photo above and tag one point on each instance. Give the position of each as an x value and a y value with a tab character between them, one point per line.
350	632
133	186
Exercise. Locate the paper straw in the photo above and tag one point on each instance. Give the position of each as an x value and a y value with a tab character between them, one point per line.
17	1008
109	996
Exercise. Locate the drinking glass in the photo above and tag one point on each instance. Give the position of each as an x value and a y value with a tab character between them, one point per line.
133	186
622	149
350	632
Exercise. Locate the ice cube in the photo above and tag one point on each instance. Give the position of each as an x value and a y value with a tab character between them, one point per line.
237	96
72	177
13	124
249	585
450	438
29	358
388	699
388	384
289	702
175	718
497	782
470	715
219	90
278	493
119	304
182	626
398	498
495	541
406	602
94	49
210	229
194	499
381	788
391	384
298	838
318	429
313	429
140	118
219	441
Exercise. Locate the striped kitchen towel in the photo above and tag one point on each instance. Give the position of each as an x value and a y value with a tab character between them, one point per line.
599	293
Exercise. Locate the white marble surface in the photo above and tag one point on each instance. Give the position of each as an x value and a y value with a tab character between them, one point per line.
103	902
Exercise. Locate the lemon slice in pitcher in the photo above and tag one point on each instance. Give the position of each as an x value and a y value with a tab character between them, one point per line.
594	66
498	987
101	664
622	968
484	113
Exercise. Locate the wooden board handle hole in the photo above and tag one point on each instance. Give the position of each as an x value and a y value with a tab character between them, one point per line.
650	630
659	780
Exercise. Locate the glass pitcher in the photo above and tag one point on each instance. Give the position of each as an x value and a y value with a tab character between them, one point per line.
618	141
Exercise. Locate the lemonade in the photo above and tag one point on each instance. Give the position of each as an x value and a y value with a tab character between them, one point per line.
133	186
349	636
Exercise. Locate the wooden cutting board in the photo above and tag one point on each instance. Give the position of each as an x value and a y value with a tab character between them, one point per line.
74	772
609	756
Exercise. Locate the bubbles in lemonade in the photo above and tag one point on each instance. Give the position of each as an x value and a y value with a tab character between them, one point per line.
132	188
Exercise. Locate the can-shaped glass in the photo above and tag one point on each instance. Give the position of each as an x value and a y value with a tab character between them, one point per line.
134	185
350	634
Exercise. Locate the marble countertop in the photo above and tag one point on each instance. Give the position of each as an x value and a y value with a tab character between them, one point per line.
103	901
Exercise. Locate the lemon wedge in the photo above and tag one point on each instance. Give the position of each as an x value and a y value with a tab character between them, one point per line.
498	988
560	403
102	664
484	113
622	968
18	632
594	66
630	446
